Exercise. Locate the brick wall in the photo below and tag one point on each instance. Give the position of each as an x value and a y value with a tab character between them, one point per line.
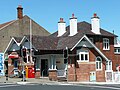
53	75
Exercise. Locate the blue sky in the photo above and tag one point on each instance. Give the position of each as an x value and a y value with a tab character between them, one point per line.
47	12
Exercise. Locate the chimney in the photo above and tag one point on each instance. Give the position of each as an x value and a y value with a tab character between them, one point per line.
95	24
73	25
19	12
61	27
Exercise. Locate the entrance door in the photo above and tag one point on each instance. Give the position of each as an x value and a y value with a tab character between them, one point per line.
44	67
92	76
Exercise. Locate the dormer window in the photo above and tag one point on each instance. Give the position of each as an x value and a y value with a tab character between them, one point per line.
106	45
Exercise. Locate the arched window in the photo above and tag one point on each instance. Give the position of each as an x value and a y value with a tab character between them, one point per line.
98	63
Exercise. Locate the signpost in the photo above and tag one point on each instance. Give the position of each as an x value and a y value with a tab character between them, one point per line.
1	64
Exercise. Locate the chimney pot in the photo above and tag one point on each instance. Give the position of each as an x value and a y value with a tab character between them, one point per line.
61	20
95	15
73	15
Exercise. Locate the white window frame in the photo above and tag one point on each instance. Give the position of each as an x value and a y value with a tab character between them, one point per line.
99	63
106	45
116	50
109	65
84	53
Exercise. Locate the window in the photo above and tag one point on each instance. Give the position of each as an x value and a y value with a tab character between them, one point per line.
117	51
108	65
84	56
106	44
98	63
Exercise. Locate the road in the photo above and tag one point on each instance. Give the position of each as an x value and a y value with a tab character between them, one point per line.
57	87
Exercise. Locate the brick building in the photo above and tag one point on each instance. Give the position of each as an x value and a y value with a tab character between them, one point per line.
19	28
92	52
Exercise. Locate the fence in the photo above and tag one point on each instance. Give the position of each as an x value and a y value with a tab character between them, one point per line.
112	76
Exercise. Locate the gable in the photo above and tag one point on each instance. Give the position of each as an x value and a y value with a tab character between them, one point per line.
91	44
84	43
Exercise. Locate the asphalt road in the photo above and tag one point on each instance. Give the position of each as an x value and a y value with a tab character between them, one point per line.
57	87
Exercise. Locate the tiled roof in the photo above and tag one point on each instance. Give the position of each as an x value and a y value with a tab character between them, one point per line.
53	42
5	24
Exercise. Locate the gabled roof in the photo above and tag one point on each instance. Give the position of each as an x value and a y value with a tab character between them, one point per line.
6	24
2	26
53	42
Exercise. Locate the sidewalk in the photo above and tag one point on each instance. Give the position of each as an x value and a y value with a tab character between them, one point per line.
28	80
47	81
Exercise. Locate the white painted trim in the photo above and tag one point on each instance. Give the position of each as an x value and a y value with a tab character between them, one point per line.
98	64
77	43
92	45
108	41
7	24
12	39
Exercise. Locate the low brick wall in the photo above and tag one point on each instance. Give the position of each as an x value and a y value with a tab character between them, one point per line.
53	75
37	74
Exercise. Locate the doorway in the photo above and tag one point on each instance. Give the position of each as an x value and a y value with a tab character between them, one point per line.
44	67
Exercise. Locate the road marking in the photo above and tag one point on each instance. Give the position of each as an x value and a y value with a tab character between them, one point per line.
9	85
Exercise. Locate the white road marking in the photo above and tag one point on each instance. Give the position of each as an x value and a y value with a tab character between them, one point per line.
9	85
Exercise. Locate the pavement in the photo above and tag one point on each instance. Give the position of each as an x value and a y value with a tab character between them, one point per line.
45	80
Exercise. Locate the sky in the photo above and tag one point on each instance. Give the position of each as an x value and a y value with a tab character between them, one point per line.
48	12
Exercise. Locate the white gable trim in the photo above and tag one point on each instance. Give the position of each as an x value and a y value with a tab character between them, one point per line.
23	39
92	45
7	25
12	40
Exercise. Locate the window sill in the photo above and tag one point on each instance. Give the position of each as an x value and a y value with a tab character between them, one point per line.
82	61
116	53
98	69
106	49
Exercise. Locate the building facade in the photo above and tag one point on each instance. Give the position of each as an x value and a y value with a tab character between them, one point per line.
92	53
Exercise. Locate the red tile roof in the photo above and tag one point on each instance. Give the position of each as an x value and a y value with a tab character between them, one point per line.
5	24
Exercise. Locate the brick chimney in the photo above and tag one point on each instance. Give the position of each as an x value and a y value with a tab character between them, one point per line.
61	27
19	12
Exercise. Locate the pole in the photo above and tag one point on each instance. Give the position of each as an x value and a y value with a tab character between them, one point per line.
30	41
67	63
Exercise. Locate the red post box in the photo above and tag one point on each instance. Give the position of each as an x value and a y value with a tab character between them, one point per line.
31	73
